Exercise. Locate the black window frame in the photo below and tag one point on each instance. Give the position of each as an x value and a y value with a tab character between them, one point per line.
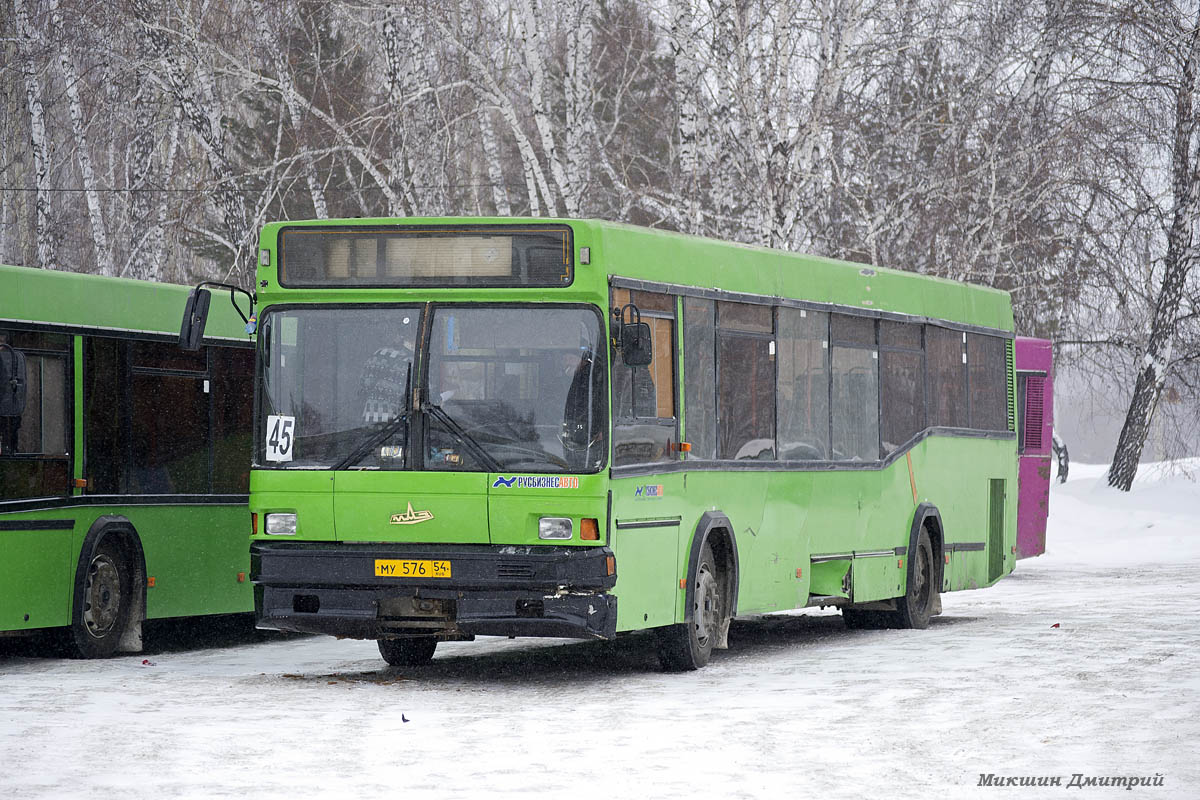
919	350
122	384
434	230
615	362
68	458
855	344
722	332
925	322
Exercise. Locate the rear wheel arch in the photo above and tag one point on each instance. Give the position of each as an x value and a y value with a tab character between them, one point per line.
928	517
715	529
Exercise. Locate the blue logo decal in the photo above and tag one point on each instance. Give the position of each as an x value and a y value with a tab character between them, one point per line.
537	482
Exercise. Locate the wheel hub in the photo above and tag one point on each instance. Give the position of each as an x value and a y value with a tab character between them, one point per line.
708	606
101	596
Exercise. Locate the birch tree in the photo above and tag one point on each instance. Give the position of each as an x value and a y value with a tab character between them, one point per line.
31	42
193	91
87	174
1180	258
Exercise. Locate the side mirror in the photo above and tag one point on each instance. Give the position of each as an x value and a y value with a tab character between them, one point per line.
12	381
637	349
195	316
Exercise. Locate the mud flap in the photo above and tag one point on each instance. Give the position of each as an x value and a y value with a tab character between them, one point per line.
722	642
936	605
131	639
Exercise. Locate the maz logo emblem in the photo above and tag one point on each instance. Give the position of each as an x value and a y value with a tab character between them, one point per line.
411	517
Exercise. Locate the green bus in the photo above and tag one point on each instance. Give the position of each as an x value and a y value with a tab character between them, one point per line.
124	460
535	427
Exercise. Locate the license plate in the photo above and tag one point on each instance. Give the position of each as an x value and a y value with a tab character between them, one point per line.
405	568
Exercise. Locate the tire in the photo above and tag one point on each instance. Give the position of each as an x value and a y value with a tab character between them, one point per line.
688	646
916	607
407	652
101	609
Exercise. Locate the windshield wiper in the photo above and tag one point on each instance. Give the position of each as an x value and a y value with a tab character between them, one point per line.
484	457
383	434
392	427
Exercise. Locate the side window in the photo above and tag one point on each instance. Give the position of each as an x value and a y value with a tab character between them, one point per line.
803	391
987	382
233	399
745	381
902	383
700	377
855	373
105	415
35	459
158	420
644	397
169	396
945	377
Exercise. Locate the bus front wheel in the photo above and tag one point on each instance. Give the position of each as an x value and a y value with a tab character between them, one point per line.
410	652
689	646
102	607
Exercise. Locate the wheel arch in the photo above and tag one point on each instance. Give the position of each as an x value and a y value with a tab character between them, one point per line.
714	528
122	531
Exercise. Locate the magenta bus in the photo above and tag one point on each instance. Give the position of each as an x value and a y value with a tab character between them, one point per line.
1035	399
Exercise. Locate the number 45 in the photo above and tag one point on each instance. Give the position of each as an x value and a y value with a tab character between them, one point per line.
280	437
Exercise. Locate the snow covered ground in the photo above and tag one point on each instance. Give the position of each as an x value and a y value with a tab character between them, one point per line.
799	706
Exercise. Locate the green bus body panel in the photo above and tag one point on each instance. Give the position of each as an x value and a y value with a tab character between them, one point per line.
308	495
779	527
514	511
365	503
780	519
36	574
195	552
102	303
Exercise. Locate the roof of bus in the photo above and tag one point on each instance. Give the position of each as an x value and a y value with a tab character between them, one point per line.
666	257
93	301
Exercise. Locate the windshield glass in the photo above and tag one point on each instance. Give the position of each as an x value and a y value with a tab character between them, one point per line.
523	384
517	388
334	380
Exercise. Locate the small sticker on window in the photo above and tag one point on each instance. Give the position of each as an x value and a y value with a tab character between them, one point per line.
281	435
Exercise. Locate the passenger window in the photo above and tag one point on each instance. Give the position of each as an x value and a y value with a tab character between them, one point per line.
855	389
988	382
902	384
644	396
700	378
745	381
945	377
803	392
35	447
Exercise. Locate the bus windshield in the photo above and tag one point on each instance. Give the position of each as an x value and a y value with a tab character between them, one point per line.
506	388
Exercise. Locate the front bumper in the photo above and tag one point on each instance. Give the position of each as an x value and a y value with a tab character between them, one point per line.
494	590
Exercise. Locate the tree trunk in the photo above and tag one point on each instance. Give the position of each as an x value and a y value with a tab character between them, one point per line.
70	75
272	37
196	97
1181	256
30	41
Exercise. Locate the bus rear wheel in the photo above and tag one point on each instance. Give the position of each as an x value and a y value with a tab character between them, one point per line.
689	646
407	652
102	607
916	607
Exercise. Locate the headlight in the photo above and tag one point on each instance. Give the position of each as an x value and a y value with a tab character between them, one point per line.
281	524
554	528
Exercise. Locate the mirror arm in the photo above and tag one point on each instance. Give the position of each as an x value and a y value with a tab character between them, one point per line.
250	295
